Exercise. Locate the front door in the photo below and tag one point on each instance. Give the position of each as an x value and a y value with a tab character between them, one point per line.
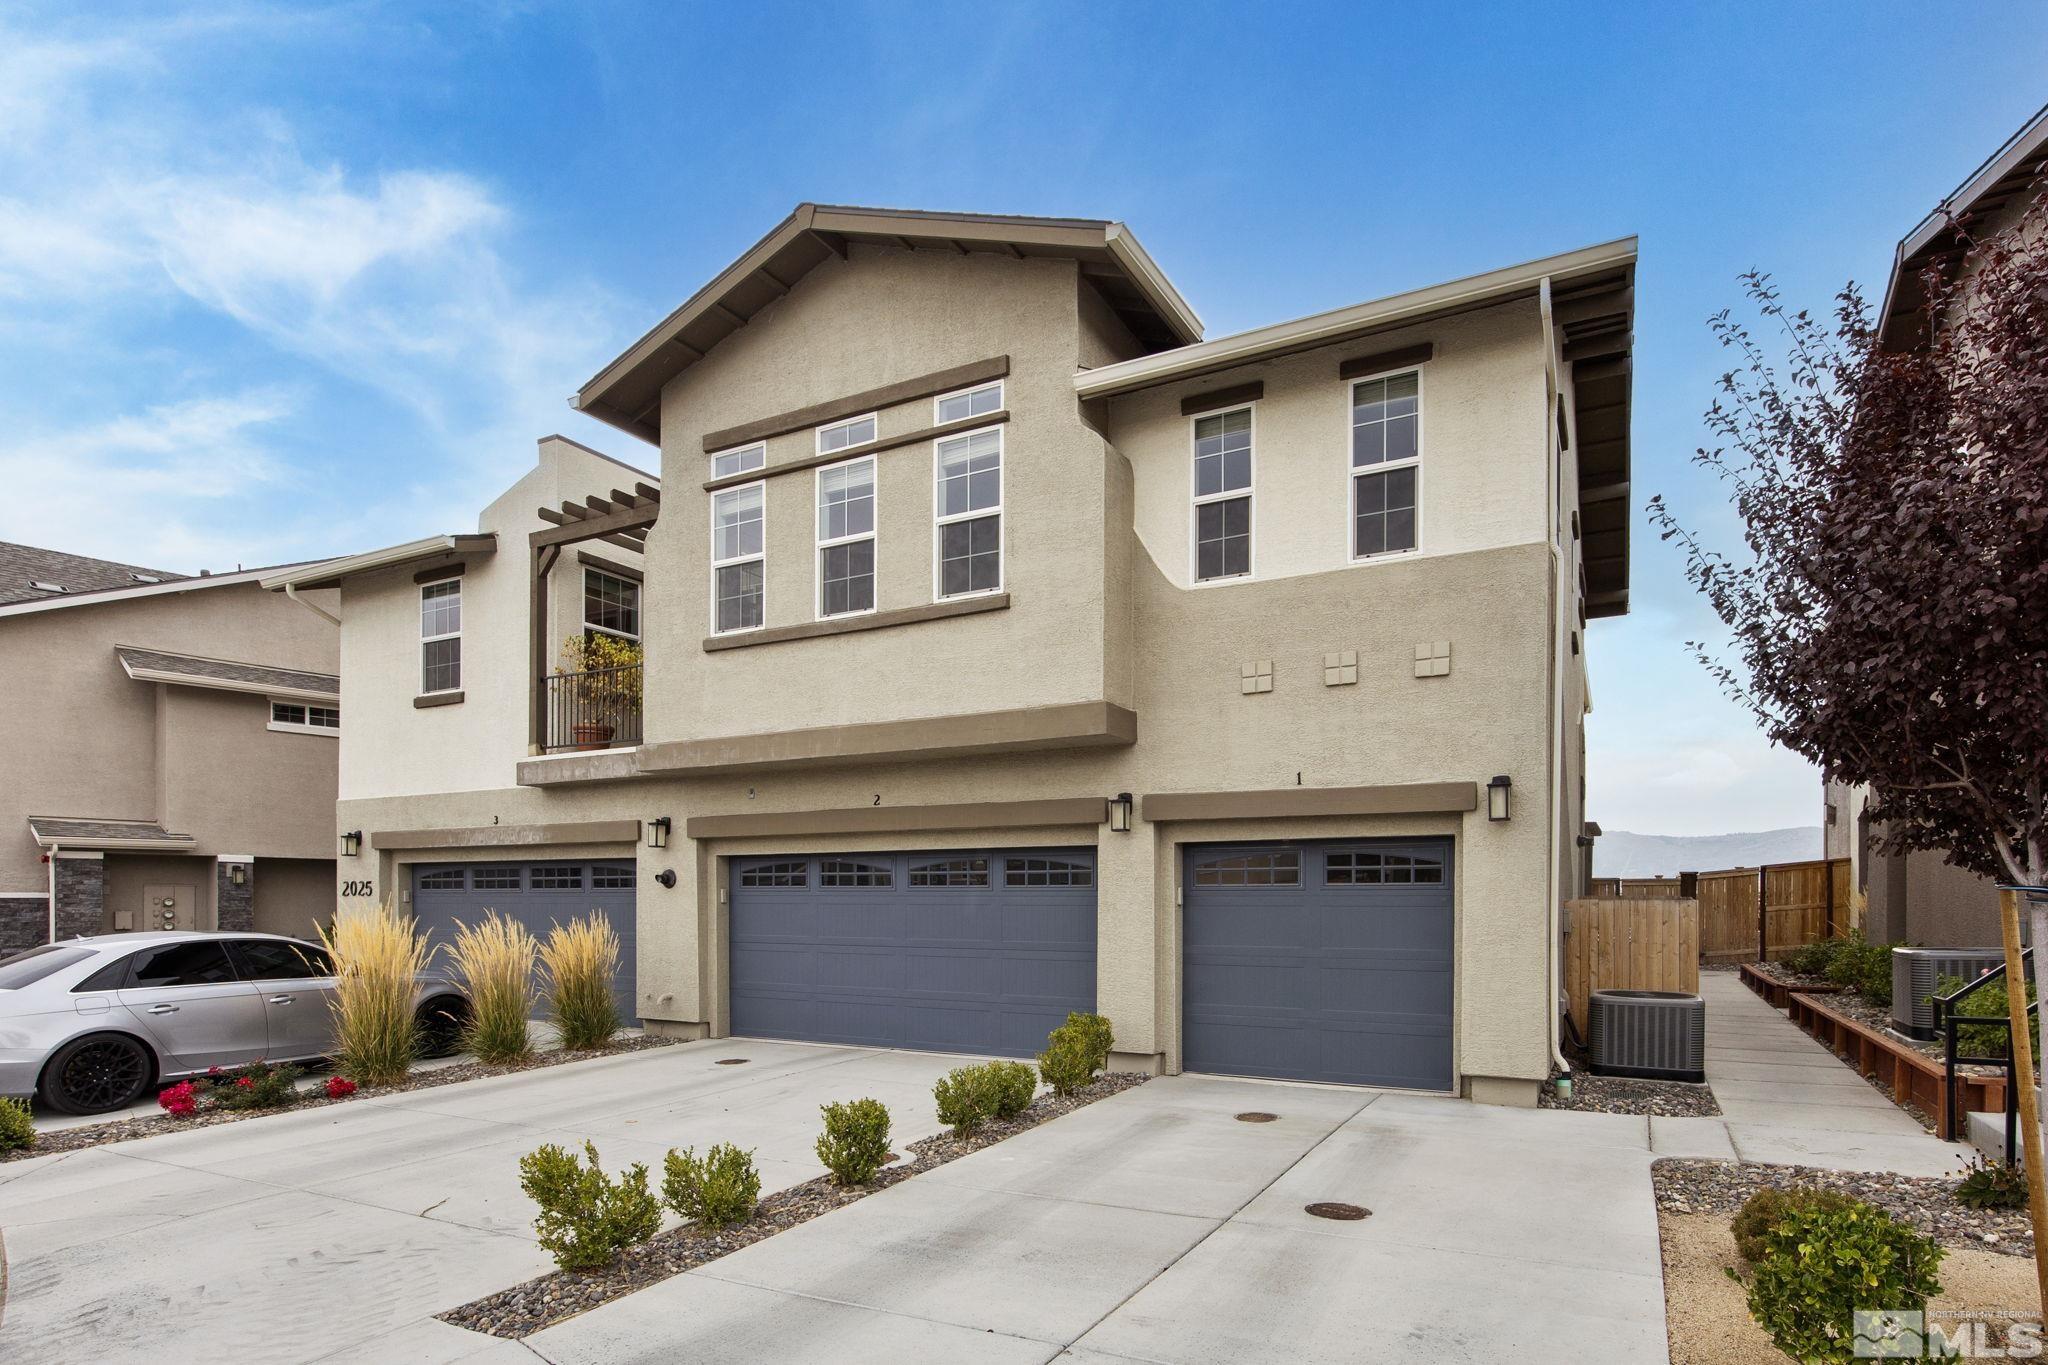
189	1001
163	907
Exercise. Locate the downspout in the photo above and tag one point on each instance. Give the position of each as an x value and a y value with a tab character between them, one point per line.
291	590
1553	724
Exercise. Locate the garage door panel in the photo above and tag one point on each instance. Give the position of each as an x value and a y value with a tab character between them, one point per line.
1328	971
538	896
947	956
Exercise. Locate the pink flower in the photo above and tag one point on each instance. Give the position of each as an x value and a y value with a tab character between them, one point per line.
340	1087
179	1101
245	1082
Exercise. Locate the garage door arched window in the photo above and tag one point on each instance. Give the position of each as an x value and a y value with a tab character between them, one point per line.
1046	872
1352	868
843	872
952	872
776	874
1279	868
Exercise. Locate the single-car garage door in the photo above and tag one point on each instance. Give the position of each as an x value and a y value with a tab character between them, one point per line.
1320	962
537	895
947	951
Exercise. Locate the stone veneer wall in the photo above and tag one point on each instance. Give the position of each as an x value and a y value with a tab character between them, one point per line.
24	922
81	896
234	906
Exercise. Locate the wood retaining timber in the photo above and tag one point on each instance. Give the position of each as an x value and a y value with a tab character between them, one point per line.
1909	1075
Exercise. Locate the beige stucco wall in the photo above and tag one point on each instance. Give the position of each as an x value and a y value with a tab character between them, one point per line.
80	738
294	894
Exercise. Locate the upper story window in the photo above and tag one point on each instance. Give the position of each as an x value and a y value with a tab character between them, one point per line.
739	558
967	504
304	718
846	538
855	431
1223	495
977	402
1386	462
611	604
441	636
742	461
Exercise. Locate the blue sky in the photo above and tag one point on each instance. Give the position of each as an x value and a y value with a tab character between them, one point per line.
284	281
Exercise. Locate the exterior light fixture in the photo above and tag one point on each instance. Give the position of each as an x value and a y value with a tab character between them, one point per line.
1497	797
667	877
238	873
1120	813
657	831
351	843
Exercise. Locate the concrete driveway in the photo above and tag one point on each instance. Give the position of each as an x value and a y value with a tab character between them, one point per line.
1155	1226
295	1237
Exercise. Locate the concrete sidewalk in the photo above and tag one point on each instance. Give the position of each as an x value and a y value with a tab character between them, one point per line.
1786	1099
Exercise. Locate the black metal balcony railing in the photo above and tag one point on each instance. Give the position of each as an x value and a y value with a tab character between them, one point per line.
598	709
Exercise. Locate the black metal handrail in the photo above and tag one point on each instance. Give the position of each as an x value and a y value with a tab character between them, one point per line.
595	709
1950	1024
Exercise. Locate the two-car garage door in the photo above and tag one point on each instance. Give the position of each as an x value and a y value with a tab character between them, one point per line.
446	896
950	951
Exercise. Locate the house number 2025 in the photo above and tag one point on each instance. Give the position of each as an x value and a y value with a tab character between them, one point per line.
357	889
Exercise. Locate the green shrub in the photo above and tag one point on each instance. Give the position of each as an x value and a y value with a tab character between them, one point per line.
855	1143
1813	959
586	1217
1863	967
1824	1264
17	1127
717	1191
1989	1002
1013	1085
1993	1185
966	1099
1094	1030
259	1085
1766	1209
1068	1062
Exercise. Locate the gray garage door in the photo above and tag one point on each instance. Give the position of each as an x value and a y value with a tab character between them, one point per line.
538	895
945	952
1320	962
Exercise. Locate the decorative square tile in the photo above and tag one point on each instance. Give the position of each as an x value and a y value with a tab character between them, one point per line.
1340	668
1433	659
1257	676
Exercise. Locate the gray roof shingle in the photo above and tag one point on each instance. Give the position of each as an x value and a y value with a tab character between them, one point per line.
24	566
204	671
57	829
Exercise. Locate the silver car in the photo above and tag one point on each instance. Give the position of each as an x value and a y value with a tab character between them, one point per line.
89	1024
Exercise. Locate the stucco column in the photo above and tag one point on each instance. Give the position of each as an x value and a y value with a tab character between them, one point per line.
1128	935
676	934
1501	951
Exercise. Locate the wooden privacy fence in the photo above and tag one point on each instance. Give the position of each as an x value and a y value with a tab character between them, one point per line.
1750	914
1728	915
1636	888
1644	943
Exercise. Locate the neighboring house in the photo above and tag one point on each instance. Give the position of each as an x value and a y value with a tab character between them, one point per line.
1010	650
1919	897
167	751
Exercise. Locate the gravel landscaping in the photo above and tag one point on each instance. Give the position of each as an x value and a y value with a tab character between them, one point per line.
1926	1202
527	1308
1778	971
152	1125
1629	1095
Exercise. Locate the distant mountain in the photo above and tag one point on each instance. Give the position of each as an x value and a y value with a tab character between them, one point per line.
1621	854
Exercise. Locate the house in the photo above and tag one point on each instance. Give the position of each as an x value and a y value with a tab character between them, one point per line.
167	751
1009	648
1919	897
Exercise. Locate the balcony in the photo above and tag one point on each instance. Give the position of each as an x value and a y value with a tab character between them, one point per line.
595	709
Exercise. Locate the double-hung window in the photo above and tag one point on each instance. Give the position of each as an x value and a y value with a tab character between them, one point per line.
846	537
739	560
968	507
1386	462
611	604
441	636
1223	495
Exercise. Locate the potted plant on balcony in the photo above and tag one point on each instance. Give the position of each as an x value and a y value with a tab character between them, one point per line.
600	681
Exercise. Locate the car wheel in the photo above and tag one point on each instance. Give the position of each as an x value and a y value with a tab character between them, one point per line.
96	1073
441	1024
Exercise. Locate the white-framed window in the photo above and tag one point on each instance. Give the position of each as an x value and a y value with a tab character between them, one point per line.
978	401
1386	463
611	604
744	460
967	508
441	636
846	538
306	718
739	558
1223	494
854	431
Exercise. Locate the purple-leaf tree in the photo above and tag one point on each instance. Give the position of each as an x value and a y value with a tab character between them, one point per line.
1891	614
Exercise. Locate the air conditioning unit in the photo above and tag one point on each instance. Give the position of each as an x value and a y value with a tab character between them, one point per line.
1917	974
1659	1034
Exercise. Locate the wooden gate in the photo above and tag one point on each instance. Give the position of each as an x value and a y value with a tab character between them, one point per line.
1648	943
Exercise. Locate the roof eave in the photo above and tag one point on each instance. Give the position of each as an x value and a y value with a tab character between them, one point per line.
328	573
96	595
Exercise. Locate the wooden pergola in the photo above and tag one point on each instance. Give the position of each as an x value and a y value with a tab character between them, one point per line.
622	519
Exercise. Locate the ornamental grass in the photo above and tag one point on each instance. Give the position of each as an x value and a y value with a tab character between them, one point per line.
494	960
378	957
579	961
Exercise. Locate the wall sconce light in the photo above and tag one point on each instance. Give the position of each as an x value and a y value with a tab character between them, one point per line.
1497	797
657	831
667	877
238	873
351	843
1120	813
